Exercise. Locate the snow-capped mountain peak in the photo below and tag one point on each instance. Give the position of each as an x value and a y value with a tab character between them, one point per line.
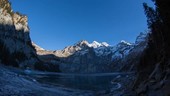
82	43
95	44
105	44
124	42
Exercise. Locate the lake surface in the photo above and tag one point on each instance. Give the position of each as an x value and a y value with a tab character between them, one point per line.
83	82
88	82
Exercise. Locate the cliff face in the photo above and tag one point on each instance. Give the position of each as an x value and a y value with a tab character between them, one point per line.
15	43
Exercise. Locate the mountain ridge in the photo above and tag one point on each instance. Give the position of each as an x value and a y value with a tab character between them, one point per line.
93	54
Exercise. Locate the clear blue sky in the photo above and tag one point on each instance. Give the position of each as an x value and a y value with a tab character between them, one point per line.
56	24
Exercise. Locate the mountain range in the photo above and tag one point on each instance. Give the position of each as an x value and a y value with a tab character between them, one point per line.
95	57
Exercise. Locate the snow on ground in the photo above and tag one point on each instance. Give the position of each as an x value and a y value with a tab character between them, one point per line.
12	84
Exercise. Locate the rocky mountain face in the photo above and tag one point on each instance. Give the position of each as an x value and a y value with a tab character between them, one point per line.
15	43
85	57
